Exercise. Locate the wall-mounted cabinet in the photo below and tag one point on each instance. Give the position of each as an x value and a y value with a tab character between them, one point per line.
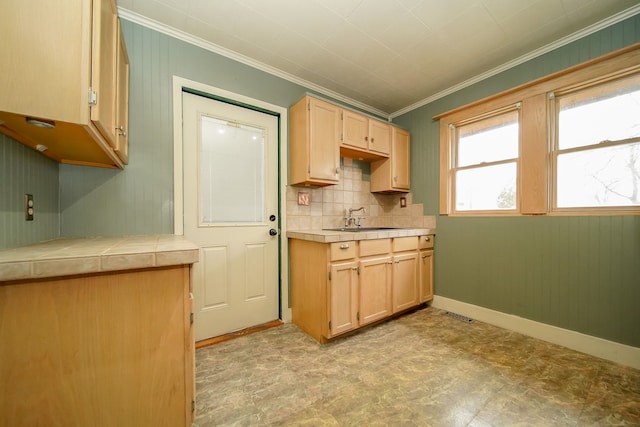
61	92
364	138
314	156
393	174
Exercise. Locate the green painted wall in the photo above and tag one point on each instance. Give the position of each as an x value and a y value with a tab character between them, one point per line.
25	171
139	199
578	273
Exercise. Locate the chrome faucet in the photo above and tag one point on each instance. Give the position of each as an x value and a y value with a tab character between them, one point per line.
353	221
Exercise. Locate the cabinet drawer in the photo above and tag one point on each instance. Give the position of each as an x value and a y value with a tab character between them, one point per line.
343	250
426	242
405	244
375	247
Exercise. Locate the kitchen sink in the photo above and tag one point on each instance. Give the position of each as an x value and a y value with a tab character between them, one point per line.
361	229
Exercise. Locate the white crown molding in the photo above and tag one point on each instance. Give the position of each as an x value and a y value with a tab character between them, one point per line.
614	19
605	349
212	47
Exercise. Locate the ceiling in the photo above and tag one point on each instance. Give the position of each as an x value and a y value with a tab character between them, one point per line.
384	56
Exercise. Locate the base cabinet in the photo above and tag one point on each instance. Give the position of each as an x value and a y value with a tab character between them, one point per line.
375	289
339	287
343	296
111	349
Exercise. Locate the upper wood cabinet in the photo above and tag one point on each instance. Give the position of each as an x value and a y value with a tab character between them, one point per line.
364	138
122	101
60	68
314	148
393	174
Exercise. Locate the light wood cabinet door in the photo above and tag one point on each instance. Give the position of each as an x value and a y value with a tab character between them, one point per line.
104	69
401	160
394	174
343	297
355	130
379	137
375	289
122	100
314	151
426	276
405	281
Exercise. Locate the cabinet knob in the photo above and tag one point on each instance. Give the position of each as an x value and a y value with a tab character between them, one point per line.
344	246
366	138
427	238
121	131
424	256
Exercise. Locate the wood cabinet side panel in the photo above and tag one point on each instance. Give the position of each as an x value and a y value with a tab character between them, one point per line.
101	348
308	276
299	142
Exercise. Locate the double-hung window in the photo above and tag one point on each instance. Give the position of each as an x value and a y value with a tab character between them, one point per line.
596	156
485	174
564	144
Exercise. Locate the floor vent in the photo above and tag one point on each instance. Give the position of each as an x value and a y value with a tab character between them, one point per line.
459	317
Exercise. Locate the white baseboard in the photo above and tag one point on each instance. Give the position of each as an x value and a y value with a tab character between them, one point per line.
613	351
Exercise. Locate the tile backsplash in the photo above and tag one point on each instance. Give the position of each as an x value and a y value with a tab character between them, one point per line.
329	205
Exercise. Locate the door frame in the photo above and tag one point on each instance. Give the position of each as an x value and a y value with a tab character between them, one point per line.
180	83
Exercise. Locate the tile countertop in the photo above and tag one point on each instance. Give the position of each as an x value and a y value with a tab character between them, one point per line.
327	236
65	257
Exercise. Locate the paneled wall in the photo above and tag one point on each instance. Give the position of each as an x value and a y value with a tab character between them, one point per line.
25	171
578	273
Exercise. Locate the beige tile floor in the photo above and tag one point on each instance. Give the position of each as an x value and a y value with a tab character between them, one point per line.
422	369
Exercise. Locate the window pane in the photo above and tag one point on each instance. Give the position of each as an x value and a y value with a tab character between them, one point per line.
492	139
607	176
486	188
608	112
231	173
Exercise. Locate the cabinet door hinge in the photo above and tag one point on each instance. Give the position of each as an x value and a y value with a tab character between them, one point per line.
329	275
191	318
193	406
358	270
329	324
358	316
308	169
308	106
93	97
342	137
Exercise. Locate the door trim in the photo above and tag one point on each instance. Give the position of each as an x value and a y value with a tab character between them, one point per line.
178	197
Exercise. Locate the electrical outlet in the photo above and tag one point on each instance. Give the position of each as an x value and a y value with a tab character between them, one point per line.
28	207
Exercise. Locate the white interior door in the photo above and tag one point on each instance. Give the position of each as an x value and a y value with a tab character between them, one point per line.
230	168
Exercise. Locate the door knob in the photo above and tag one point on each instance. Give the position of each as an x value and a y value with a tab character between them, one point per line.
273	232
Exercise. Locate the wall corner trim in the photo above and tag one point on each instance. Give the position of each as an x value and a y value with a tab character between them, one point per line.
609	350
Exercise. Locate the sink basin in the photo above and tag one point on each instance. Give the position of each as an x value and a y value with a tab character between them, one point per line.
361	229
